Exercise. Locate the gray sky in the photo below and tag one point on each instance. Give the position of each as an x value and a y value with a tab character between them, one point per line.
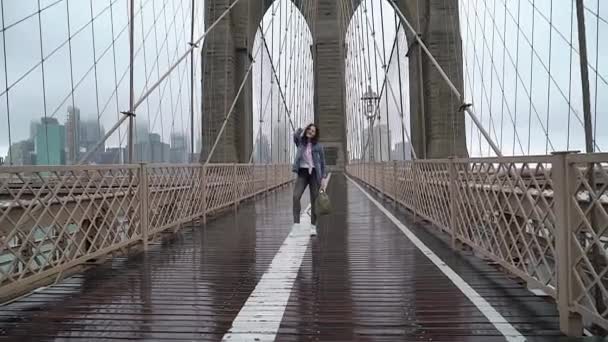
483	28
94	83
528	89
539	104
288	38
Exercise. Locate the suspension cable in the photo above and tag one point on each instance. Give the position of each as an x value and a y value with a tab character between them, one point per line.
233	105
446	78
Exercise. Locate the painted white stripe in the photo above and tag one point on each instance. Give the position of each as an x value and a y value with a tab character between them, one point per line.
260	318
501	324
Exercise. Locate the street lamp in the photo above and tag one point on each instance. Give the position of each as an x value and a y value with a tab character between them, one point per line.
370	98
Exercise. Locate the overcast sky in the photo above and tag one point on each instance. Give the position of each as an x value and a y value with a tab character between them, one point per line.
95	61
536	92
486	27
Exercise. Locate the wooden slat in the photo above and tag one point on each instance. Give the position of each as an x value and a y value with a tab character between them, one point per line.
361	280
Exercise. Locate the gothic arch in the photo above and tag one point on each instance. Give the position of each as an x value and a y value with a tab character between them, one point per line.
437	128
226	57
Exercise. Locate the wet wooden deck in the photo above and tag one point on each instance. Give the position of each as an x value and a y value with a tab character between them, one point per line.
361	279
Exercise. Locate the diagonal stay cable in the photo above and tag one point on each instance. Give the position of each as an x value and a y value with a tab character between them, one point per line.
157	83
446	79
233	105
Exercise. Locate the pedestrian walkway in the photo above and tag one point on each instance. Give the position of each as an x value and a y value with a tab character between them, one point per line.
252	276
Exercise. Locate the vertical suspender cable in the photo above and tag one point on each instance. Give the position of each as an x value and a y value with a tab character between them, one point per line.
191	82
44	86
584	64
131	79
446	79
549	74
377	83
121	156
400	86
8	107
386	75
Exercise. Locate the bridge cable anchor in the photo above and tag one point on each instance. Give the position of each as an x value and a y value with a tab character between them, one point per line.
127	113
464	107
412	44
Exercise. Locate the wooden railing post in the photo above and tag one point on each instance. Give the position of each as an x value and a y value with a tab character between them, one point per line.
236	186
205	192
453	205
416	177
375	176
397	182
570	322
383	175
143	204
265	178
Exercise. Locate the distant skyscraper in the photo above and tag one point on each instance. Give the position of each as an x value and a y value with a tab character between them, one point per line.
72	135
142	133
22	153
159	150
280	143
261	154
378	148
90	134
178	148
152	151
113	155
50	142
33	128
400	149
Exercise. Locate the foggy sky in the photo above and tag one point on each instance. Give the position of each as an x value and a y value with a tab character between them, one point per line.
484	33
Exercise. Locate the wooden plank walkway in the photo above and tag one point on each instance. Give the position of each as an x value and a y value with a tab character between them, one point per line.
361	279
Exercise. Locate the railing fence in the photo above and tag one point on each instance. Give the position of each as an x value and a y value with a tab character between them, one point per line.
542	218
55	218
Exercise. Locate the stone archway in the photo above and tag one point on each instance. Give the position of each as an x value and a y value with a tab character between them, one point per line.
226	57
437	127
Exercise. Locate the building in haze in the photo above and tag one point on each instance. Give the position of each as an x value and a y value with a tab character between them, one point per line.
281	143
178	152
152	150
378	147
91	133
402	151
261	153
113	155
72	135
22	153
33	129
50	142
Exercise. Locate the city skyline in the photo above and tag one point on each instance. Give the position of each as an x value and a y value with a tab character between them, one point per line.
45	74
52	142
538	111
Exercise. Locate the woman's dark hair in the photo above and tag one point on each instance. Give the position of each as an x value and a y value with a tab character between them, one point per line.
317	133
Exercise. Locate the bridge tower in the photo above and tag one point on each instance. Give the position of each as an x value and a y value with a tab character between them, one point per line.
438	128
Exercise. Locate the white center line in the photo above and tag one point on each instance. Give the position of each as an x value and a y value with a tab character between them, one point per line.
261	316
499	322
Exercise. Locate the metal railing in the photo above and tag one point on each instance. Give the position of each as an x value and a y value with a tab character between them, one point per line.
542	218
55	218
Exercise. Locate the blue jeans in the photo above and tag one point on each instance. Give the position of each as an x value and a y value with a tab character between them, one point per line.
305	179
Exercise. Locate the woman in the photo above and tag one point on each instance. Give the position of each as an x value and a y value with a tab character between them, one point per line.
309	165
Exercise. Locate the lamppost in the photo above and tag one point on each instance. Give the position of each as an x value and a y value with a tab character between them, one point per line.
370	98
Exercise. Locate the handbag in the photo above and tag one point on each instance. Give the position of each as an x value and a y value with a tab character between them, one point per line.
322	204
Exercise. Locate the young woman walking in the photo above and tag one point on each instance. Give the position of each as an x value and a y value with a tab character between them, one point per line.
309	165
